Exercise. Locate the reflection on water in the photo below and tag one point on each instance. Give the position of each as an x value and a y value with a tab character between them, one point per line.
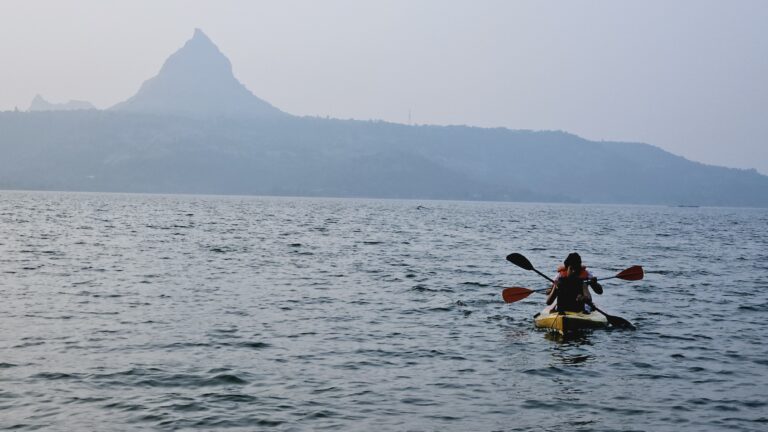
571	338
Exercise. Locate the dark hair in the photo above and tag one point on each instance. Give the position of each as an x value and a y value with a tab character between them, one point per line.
573	258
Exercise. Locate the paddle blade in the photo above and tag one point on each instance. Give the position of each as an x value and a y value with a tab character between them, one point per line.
631	274
620	322
511	295
520	261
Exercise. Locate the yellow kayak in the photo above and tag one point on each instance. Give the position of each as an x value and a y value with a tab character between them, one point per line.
563	322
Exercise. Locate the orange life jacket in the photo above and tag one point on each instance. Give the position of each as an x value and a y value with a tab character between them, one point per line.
562	271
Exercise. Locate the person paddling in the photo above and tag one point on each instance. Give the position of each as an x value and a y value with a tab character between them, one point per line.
571	286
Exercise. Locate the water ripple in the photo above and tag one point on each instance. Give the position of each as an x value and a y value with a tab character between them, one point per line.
126	312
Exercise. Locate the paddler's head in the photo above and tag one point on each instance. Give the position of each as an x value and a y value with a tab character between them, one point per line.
573	264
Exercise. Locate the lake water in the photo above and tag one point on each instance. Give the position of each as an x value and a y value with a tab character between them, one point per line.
133	312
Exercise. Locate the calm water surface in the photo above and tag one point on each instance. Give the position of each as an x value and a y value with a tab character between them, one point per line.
129	312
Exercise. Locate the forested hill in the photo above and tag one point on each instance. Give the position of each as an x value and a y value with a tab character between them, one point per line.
285	155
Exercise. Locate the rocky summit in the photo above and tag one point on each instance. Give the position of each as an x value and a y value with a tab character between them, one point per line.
40	104
197	81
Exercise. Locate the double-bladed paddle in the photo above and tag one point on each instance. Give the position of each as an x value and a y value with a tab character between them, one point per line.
514	294
631	274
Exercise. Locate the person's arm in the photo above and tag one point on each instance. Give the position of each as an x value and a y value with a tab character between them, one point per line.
552	294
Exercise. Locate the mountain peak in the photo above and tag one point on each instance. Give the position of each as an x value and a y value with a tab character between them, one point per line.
197	80
200	35
40	104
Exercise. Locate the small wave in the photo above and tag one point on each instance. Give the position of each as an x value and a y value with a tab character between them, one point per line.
548	371
187	380
425	288
230	397
181	345
225	249
85	400
682	338
297	335
418	401
576	359
223	379
325	390
185	407
125	407
253	345
547	404
321	414
55	376
246	423
499	317
443	417
29	344
626	411
755	308
657	376
477	284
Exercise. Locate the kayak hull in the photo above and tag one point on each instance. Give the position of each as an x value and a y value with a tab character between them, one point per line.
564	322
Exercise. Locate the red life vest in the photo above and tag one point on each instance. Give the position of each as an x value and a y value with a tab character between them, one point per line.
562	271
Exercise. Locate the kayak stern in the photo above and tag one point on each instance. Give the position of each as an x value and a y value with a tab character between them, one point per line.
563	322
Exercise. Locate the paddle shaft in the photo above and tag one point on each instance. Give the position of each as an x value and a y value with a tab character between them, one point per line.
598	309
543	275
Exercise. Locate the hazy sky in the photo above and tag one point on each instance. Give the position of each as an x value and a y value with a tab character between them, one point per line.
689	76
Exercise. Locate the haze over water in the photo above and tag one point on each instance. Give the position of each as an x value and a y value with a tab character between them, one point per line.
125	312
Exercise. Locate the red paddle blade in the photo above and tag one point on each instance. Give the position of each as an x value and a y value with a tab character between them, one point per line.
631	274
514	294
